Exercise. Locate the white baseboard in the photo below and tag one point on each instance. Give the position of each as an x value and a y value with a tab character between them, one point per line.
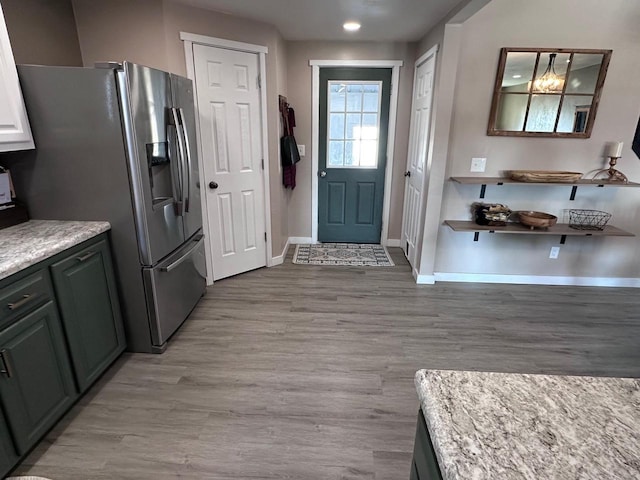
424	279
297	240
393	242
534	280
279	260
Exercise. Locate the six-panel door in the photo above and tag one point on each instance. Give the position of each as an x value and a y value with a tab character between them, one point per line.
36	383
228	93
87	298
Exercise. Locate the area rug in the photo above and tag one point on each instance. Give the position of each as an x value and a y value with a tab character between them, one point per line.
350	254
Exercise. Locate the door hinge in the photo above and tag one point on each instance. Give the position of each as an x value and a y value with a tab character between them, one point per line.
262	162
259	81
265	236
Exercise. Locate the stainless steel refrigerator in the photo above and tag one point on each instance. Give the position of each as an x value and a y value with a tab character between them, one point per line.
117	143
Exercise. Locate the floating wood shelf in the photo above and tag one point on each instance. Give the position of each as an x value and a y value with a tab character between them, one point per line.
562	229
484	181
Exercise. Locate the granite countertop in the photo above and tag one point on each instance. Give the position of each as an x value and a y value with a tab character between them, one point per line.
31	242
515	426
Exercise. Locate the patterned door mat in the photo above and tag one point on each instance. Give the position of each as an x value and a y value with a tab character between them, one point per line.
351	254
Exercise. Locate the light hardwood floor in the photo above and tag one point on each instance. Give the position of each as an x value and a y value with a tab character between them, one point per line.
304	372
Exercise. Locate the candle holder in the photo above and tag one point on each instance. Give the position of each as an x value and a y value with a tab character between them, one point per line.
611	173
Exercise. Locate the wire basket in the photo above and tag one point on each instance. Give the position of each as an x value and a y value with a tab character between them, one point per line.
588	219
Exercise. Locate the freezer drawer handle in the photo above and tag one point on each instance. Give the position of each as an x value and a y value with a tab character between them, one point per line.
21	303
86	256
6	364
199	239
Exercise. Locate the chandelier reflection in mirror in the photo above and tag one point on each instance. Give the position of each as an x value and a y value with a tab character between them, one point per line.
547	92
549	81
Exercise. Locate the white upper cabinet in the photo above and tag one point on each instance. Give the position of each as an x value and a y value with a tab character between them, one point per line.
15	133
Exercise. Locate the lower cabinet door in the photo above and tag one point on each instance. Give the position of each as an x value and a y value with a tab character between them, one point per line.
8	455
425	460
88	301
36	382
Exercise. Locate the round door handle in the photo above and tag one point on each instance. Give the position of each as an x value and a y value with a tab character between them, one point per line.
323	174
213	185
407	174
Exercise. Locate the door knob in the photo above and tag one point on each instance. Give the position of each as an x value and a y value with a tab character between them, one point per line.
407	174
213	185
323	173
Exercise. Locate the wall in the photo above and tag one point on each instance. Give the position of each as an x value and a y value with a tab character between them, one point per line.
299	88
148	32
518	23
42	32
120	30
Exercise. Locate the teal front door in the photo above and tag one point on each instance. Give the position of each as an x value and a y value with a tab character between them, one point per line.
354	122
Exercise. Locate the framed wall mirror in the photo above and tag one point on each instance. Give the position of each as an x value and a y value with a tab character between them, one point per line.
547	92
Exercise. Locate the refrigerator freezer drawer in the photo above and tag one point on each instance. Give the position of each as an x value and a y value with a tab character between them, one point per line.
173	288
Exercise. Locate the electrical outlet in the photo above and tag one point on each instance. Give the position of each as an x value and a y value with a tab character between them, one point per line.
478	164
555	251
301	150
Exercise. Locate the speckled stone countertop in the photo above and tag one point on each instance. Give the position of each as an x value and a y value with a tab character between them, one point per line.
31	242
511	426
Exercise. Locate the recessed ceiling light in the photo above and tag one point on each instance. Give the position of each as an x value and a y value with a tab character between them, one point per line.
351	26
517	76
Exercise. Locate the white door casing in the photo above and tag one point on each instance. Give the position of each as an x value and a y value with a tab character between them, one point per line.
229	109
419	134
15	132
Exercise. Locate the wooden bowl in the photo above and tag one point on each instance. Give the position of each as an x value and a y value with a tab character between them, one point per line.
537	219
544	176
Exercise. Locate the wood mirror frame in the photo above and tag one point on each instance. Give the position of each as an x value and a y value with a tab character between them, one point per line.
533	63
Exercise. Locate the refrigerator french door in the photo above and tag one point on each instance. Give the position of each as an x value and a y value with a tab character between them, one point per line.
159	121
117	143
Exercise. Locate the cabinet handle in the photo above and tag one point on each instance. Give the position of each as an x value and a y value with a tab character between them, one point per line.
21	303
6	364
86	256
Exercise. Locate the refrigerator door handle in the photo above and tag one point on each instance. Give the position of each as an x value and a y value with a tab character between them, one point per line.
197	240
180	166
188	165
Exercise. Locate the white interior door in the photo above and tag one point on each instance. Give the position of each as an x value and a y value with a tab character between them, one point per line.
417	159
228	97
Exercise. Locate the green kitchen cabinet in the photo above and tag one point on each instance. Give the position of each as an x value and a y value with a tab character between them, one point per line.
425	462
36	380
8	455
88	301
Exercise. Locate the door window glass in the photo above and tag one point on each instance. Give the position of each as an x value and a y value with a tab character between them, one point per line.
354	124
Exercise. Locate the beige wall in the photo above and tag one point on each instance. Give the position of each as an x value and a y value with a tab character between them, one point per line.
148	32
299	88
120	30
520	23
42	32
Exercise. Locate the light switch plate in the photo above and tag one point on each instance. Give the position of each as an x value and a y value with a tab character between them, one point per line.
478	164
555	251
301	150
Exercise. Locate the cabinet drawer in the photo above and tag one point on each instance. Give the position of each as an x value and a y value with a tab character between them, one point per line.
24	295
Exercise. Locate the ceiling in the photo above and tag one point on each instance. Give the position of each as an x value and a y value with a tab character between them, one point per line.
382	20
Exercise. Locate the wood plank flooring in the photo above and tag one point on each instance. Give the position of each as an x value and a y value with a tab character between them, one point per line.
306	372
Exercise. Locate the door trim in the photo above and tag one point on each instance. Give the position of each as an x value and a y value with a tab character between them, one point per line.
394	65
189	40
